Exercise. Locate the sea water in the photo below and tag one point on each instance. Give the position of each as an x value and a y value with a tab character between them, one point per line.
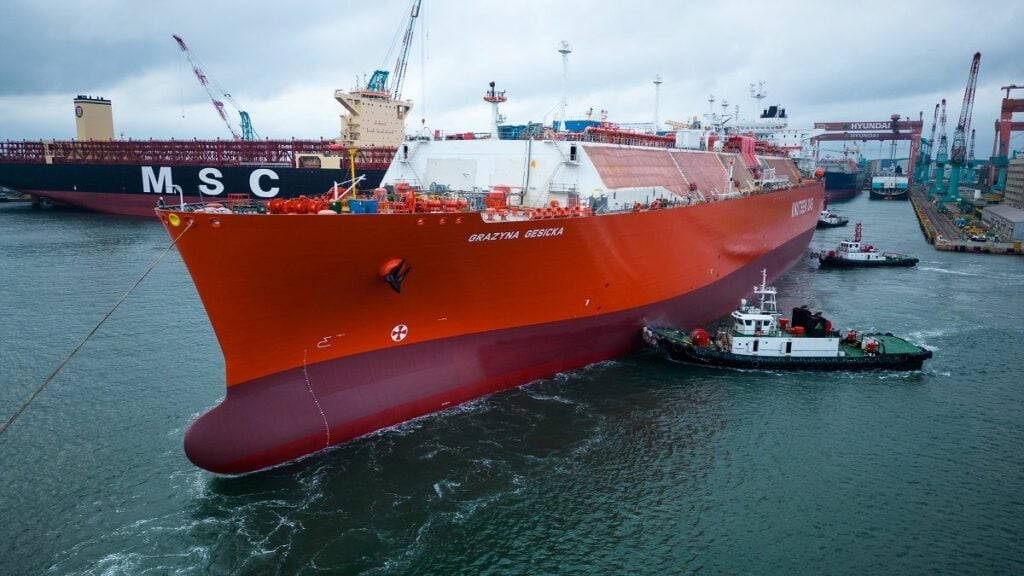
632	466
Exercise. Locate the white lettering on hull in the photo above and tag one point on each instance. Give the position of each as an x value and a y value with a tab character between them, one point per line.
254	183
161	181
211	186
802	207
544	232
161	184
514	234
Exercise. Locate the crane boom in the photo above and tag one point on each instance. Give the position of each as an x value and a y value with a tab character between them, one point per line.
247	132
403	56
958	152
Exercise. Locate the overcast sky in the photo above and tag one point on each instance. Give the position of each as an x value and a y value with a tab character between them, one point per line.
860	60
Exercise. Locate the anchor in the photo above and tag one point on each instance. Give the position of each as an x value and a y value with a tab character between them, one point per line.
394	272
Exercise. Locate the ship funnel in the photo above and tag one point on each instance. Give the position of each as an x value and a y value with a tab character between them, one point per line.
93	119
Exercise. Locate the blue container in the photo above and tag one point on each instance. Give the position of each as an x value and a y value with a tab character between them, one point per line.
362	206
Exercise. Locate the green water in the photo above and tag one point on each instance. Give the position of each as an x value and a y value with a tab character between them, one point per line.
633	466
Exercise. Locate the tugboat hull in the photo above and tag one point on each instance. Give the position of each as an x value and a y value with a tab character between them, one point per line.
832	224
681	347
837	262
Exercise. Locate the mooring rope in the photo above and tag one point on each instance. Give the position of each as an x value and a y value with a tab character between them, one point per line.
24	406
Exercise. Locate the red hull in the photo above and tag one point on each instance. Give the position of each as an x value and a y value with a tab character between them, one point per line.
354	396
483	313
110	203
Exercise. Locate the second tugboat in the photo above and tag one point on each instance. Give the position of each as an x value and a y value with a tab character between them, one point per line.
762	338
853	254
829	219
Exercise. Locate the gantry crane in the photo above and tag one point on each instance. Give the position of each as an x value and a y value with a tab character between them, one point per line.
958	153
941	157
379	80
1001	143
246	132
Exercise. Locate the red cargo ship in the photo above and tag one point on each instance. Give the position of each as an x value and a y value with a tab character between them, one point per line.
529	258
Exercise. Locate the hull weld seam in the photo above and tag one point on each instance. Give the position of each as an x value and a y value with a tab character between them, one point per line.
305	374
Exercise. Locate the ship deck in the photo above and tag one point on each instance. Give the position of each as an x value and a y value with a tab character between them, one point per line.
888	344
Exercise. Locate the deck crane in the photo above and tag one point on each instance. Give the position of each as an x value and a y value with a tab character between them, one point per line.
379	80
246	132
958	152
941	156
925	163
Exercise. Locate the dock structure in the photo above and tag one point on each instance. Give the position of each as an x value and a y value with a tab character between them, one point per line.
944	235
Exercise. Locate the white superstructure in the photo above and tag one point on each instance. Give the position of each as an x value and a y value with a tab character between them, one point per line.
757	330
373	119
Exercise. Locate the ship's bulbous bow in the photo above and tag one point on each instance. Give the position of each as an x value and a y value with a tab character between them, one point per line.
258	425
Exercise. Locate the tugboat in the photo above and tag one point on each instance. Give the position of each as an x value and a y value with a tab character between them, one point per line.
762	338
829	219
853	254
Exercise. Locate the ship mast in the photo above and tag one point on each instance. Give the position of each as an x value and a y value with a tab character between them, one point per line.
494	98
657	99
767	303
564	50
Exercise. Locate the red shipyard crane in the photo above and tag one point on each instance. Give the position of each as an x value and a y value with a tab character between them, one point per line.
958	152
246	132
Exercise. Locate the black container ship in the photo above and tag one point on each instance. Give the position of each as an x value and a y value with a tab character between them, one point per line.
129	177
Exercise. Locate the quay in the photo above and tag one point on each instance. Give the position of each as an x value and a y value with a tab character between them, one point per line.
944	235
